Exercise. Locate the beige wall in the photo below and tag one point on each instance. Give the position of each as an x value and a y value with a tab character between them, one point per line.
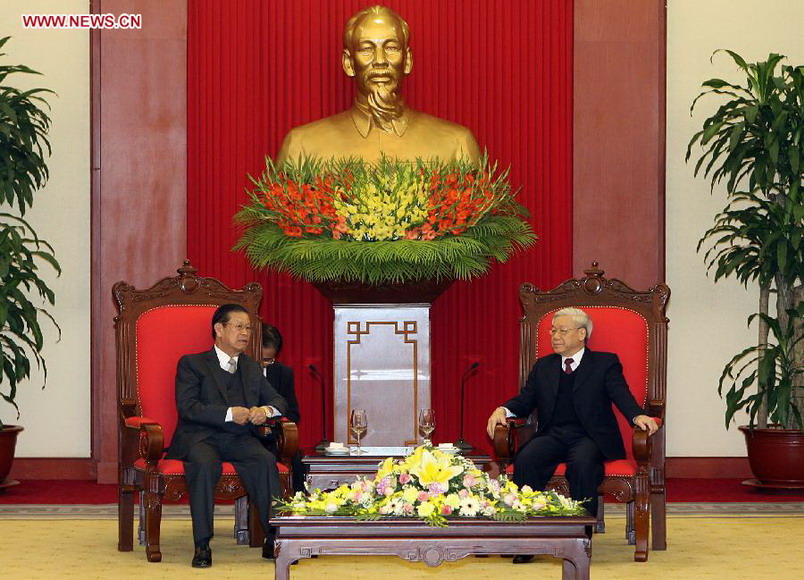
708	321
57	420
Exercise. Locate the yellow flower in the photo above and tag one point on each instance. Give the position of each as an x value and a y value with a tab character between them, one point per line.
430	470
425	509
386	468
453	500
410	493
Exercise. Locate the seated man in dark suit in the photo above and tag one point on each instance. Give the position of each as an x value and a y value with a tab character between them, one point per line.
281	378
221	397
573	390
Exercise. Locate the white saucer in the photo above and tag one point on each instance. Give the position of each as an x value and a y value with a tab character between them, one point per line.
338	451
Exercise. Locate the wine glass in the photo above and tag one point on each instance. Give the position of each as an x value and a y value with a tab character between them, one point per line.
358	423
426	424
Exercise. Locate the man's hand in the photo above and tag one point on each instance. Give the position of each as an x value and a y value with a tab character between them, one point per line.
240	415
646	423
257	415
497	418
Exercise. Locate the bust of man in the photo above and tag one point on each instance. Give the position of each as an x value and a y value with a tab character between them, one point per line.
376	54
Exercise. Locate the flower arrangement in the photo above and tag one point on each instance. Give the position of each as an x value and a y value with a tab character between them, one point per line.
413	220
431	485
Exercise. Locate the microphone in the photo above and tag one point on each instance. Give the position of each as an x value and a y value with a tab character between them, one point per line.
461	443
324	443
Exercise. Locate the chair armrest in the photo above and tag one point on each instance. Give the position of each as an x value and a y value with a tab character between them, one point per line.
641	443
286	434
505	438
151	445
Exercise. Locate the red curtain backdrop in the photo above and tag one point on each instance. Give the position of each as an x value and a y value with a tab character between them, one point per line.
501	67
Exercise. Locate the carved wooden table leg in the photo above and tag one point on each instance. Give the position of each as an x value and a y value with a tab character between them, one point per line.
282	560
577	560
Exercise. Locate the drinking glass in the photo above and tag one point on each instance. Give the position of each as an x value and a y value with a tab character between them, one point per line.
426	424
358	423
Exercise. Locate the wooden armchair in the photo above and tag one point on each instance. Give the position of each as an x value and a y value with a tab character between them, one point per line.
154	328
633	325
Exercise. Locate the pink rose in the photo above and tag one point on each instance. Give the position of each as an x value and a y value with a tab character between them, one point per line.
446	510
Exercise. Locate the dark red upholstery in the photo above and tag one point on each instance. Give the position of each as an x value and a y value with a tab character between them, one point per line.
164	335
176	467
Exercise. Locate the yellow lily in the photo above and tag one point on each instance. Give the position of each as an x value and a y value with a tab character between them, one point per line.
429	470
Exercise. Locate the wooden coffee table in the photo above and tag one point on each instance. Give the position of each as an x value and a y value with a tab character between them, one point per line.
566	537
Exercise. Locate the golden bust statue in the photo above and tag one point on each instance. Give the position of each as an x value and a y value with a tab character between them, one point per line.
376	54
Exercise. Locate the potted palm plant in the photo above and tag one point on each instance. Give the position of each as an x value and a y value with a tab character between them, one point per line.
753	143
24	124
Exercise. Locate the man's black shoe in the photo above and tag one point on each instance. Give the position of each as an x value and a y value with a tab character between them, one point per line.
522	558
202	557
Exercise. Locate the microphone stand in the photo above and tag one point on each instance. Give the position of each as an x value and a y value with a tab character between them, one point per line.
460	443
324	443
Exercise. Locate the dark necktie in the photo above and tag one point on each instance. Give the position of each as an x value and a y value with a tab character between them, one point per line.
568	366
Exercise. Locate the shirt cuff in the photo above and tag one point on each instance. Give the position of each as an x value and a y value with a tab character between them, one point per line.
271	411
508	414
229	415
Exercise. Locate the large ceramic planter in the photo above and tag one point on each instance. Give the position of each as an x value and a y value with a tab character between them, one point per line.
776	456
8	441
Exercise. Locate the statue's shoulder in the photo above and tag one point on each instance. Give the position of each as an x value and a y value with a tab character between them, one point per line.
447	138
314	138
429	122
334	123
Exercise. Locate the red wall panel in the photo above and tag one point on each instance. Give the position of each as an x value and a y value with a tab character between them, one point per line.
502	68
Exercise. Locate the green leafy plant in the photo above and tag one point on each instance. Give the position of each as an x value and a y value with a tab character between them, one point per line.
389	222
24	125
773	365
753	142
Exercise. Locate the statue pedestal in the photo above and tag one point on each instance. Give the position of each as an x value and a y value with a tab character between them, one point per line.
382	358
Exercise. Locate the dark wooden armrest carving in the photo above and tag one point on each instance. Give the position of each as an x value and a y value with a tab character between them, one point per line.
287	437
152	443
502	441
641	446
505	438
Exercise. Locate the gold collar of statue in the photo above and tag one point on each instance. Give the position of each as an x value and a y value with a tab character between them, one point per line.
364	122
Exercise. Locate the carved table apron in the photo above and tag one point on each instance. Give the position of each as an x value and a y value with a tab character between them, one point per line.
567	537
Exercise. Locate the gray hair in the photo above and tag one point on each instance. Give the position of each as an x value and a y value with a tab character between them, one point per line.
579	317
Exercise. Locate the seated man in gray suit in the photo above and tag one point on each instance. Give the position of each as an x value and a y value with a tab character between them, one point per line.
221	397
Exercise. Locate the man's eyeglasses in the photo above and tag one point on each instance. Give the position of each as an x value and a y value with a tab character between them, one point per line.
562	331
240	327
